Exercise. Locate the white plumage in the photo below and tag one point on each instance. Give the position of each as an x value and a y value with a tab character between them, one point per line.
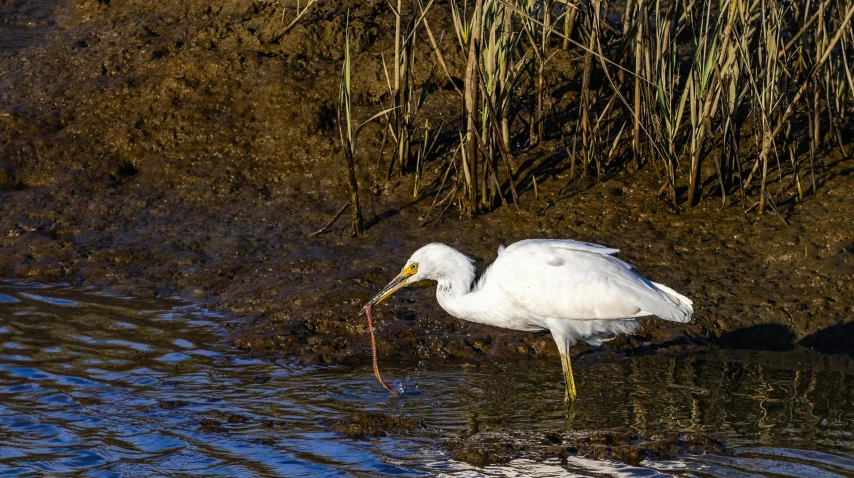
576	290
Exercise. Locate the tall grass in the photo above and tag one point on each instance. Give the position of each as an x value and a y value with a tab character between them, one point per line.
722	98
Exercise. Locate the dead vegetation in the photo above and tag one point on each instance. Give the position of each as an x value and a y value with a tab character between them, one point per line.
734	99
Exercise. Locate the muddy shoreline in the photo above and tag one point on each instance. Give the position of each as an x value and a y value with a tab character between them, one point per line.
158	151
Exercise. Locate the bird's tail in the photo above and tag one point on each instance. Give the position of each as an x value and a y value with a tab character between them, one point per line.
682	308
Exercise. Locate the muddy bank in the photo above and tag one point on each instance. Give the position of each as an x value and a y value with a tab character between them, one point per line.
181	148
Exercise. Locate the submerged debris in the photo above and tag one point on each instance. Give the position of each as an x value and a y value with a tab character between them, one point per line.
376	424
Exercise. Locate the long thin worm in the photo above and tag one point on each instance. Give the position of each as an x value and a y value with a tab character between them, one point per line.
374	353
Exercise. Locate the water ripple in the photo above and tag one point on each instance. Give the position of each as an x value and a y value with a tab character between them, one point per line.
107	385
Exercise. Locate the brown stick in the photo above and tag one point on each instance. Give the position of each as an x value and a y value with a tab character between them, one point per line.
331	221
374	352
296	19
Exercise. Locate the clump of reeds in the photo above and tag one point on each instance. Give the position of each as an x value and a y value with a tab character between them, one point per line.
348	135
716	96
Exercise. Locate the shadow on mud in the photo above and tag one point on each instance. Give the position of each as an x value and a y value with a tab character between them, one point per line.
836	339
772	337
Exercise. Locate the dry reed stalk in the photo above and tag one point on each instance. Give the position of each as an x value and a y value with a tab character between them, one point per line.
472	99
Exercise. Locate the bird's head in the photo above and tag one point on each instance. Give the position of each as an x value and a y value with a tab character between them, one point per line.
432	262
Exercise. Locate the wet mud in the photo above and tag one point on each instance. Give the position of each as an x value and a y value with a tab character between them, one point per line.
189	149
485	449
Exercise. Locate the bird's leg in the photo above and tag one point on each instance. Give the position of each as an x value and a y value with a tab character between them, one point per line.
570	414
570	382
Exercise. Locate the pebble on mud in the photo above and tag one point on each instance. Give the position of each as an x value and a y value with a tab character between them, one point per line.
210	426
172	404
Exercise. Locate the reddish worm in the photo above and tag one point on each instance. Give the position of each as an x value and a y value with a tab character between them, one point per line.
374	352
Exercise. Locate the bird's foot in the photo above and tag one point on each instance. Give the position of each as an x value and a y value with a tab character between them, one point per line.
570	412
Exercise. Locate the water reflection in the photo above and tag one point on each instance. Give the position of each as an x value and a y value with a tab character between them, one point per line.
147	387
25	24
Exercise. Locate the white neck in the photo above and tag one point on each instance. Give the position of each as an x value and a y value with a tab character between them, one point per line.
456	297
455	275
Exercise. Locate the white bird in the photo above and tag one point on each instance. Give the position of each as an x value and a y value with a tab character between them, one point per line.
576	290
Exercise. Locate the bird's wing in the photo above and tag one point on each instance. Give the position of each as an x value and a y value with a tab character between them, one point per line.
549	281
569	245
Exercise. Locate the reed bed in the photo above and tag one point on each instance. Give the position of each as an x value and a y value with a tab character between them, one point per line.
730	99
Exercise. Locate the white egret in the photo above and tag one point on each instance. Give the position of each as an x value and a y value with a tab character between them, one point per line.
576	290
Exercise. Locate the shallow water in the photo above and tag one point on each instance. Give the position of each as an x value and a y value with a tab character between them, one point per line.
111	385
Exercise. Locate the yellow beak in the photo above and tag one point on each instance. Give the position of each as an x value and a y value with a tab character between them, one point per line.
399	282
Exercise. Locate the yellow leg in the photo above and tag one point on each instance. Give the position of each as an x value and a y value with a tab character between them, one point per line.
570	382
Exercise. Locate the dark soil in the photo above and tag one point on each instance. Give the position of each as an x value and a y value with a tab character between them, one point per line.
190	147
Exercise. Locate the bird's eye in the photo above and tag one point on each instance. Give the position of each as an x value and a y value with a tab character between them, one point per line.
413	266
